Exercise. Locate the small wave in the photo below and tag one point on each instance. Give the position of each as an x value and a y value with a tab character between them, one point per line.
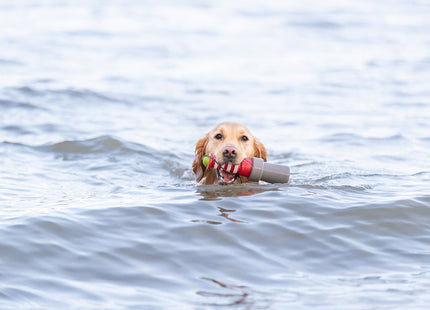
395	137
10	104
29	91
337	176
139	158
84	94
16	130
352	188
421	173
99	145
73	93
108	153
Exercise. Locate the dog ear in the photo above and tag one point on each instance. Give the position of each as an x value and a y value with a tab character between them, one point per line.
260	150
198	167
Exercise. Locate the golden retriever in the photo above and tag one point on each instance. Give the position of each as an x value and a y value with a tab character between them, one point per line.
230	143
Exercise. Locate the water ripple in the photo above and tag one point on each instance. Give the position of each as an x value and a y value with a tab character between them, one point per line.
99	145
10	104
101	105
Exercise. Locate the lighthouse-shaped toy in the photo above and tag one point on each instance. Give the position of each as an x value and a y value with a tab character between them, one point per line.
254	169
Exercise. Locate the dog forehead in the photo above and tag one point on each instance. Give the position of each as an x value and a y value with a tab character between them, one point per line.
231	129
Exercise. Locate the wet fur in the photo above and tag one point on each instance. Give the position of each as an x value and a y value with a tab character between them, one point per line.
232	136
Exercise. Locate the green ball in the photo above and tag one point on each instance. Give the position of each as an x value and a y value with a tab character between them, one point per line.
206	159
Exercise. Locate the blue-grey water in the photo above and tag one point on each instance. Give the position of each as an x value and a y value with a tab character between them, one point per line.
101	103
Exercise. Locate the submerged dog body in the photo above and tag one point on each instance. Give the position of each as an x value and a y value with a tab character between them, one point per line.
230	143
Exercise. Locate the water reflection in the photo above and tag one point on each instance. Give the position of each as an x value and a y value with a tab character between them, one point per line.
236	295
217	192
225	213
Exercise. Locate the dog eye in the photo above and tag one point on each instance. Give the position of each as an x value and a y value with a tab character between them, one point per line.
218	136
244	138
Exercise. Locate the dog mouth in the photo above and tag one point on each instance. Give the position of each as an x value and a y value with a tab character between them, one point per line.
225	177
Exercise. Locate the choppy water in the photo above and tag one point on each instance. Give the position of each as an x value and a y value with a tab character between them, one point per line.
101	103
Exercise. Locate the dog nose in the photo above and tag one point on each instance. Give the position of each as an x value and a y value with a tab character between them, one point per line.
229	153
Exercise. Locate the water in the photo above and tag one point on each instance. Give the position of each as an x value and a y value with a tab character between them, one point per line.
101	103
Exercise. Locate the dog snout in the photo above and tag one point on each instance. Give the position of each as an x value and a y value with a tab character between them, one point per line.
229	153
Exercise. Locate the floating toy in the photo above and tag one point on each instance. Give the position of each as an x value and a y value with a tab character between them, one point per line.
254	169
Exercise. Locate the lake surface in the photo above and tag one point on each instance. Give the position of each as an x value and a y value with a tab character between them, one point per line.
102	102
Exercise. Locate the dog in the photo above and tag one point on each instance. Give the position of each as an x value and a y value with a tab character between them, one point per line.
230	143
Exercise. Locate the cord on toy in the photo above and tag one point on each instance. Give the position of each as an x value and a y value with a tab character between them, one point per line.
221	167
